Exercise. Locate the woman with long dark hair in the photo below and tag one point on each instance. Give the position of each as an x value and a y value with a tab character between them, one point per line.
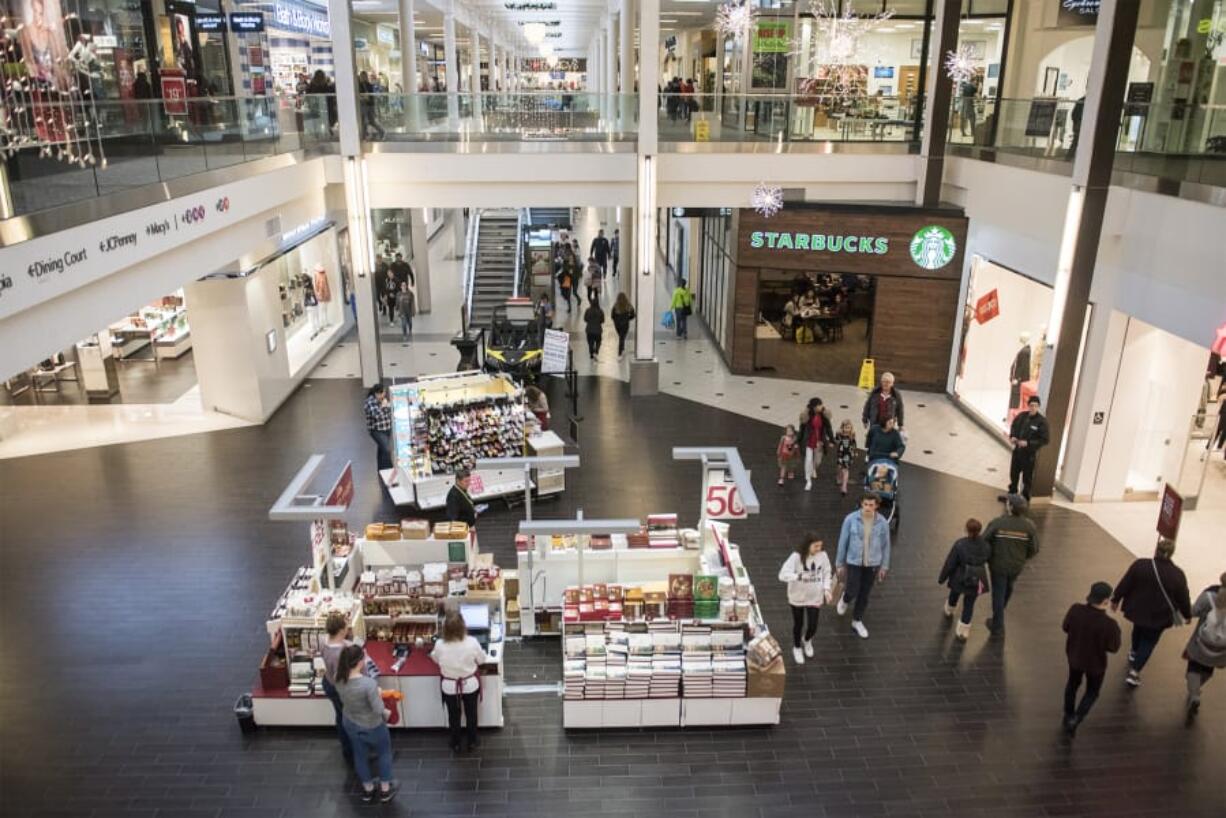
365	719
810	582
966	573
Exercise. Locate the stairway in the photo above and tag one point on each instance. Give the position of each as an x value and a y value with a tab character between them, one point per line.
494	281
550	216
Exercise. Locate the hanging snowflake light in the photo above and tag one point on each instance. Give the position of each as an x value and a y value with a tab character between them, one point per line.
836	68
960	64
736	19
767	199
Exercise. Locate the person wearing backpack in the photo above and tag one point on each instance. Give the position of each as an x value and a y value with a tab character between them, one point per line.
966	574
1154	593
1206	650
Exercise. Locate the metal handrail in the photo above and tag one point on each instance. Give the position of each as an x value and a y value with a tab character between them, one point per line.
519	249
470	262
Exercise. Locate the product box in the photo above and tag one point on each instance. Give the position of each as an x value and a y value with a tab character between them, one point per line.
768	682
414	529
274	674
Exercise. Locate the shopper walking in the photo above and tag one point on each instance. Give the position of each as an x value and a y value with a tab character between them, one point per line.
595	278
566	281
1206	650
593	322
390	296
883	402
845	450
810	583
622	313
816	435
337	629
786	453
536	403
600	249
381	276
966	573
1014	541
403	271
1092	634
681	305
368	102
1155	596
863	559
459	658
378	413
615	250
885	442
460	505
406	305
365	719
1028	433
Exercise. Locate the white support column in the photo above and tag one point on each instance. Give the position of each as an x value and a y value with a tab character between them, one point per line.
625	20
346	78
644	368
721	54
452	71
408	64
475	44
610	67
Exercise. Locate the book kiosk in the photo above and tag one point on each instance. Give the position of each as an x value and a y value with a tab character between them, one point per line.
392	585
441	423
659	625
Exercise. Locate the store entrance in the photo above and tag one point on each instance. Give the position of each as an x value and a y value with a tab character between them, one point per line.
814	327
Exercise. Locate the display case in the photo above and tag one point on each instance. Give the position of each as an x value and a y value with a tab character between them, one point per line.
442	423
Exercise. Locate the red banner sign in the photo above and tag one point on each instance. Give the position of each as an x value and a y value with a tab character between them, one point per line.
174	92
987	308
1169	513
342	490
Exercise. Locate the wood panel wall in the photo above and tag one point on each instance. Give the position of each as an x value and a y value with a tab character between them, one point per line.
913	330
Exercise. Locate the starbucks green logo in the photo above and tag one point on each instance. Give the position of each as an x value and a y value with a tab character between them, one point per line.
933	247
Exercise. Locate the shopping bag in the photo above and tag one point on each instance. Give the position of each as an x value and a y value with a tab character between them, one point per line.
667	320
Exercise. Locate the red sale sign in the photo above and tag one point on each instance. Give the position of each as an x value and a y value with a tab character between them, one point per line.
723	502
987	308
1169	513
174	92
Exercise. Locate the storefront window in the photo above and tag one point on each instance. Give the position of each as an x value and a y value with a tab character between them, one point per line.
714	274
1004	337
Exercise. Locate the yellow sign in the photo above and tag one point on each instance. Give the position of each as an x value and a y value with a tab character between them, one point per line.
702	131
868	374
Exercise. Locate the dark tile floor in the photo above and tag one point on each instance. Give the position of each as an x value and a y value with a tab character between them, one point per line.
135	581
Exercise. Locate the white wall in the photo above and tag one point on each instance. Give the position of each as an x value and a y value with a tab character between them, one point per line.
723	180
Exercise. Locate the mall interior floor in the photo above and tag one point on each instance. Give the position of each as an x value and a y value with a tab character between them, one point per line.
131	625
140	381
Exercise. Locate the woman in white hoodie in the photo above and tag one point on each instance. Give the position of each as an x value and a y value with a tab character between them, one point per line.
810	582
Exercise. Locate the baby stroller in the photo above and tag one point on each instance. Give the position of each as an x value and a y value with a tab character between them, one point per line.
882	480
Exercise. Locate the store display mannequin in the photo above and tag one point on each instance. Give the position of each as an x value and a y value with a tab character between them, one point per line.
311	302
1019	372
323	295
1036	354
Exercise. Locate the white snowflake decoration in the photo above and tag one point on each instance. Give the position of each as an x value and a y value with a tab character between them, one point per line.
767	199
735	19
960	65
837	65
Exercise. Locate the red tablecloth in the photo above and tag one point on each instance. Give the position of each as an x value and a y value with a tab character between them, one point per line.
419	662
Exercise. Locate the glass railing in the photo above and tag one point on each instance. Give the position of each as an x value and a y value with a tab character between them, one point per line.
494	116
64	153
786	118
1173	140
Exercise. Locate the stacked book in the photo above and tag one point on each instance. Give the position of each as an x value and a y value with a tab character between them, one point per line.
617	652
573	671
728	662
662	531
665	660
696	673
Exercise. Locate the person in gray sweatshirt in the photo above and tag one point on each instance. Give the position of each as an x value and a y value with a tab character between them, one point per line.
365	719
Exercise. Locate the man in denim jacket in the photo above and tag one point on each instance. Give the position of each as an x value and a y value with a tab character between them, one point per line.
863	558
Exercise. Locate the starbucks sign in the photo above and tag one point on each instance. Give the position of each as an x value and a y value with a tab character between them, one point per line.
932	247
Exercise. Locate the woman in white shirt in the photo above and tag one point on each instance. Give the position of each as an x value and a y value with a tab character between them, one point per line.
459	657
810	582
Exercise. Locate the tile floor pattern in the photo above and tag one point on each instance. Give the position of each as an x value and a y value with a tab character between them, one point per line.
132	625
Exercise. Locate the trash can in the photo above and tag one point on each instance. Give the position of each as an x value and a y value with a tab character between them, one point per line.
244	711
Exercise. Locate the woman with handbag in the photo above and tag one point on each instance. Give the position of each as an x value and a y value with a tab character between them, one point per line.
1155	597
966	573
682	305
1206	650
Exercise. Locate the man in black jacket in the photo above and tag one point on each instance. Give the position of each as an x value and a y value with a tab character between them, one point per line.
1027	434
1092	634
403	271
600	249
1152	591
460	506
884	402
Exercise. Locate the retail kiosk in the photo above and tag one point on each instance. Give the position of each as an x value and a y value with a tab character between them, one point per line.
441	423
392	585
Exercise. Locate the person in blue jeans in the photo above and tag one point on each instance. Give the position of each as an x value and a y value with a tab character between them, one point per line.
863	559
682	305
331	653
1014	541
365	720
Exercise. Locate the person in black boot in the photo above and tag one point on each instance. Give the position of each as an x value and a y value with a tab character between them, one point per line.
1092	634
1028	433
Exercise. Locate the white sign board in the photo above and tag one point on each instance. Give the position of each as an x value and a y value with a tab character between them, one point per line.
555	351
722	498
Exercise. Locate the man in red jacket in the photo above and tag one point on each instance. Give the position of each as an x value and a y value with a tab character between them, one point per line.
1092	634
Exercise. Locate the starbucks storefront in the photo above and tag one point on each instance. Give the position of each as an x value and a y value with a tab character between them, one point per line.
820	288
